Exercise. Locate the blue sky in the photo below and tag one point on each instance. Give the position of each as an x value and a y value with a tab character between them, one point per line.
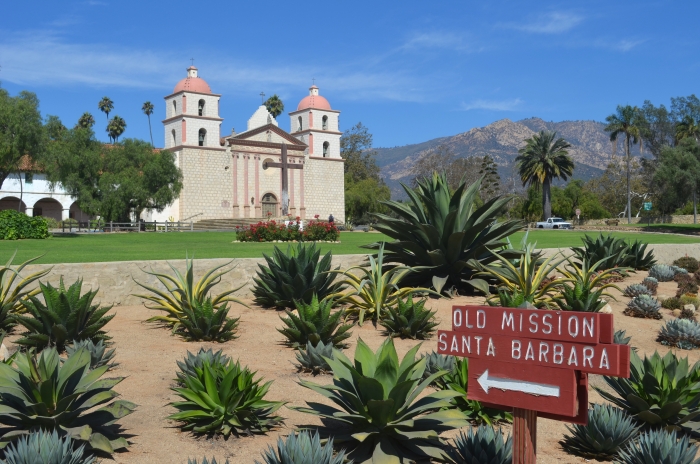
409	70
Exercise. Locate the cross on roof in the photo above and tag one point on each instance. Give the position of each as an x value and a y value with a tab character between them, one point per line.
313	81
262	98
192	61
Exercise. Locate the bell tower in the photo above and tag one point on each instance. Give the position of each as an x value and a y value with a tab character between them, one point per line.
315	123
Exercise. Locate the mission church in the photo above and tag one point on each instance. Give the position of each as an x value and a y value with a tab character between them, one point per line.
242	175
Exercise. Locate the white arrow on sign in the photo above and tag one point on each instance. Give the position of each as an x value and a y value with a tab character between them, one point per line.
532	388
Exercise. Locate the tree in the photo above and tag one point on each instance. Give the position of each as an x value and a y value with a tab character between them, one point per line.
106	106
274	105
626	121
687	128
678	174
491	185
113	181
21	131
147	109
363	198
542	160
86	121
657	127
115	128
54	128
438	159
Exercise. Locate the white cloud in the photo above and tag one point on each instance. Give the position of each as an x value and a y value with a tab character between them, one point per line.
555	22
493	105
443	40
623	45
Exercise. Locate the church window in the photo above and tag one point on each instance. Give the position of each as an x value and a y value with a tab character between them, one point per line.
326	145
324	123
200	107
300	126
174	139
202	137
174	107
28	177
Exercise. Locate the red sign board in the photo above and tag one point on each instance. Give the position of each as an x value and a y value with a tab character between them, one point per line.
534	359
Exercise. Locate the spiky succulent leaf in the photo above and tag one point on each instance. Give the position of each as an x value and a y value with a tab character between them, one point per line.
680	333
312	358
651	283
206	322
436	362
662	272
14	289
621	338
643	306
43	447
409	319
314	322
612	252
192	361
302	448
99	355
635	290
659	447
485	445
608	430
205	461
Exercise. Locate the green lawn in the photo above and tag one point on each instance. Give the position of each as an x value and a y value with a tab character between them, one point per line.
152	246
680	228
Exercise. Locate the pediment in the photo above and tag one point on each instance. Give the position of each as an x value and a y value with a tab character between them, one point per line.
260	134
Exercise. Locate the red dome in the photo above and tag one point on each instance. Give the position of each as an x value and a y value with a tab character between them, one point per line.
192	83
314	100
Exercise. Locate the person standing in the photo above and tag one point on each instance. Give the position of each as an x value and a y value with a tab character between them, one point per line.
331	219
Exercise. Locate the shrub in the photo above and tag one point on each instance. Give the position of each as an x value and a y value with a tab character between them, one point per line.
314	323
208	323
272	231
374	290
659	447
192	361
635	290
296	275
312	358
671	303
686	287
302	448
612	252
445	235
42	392
99	356
687	313
16	226
651	283
409	320
608	430
662	392
43	447
225	399
66	316
375	400
689	299
182	292
486	445
662	272
643	306
436	362
14	289
688	263
680	333
457	380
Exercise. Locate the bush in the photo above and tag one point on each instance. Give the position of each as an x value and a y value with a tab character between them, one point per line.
688	263
43	447
314	323
15	225
272	231
689	299
295	276
486	445
302	448
608	430
671	303
659	447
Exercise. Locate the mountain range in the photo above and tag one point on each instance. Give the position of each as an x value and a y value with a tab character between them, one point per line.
591	148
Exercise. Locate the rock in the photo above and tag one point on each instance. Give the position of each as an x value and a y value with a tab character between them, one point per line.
676	312
689	307
607	309
662	298
4	352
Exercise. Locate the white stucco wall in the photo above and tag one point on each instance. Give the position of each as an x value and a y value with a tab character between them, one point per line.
53	203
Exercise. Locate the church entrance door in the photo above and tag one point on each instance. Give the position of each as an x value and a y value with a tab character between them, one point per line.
269	205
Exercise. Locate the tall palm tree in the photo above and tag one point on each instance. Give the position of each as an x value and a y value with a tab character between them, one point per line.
106	106
86	121
147	109
687	128
274	105
541	160
626	121
116	127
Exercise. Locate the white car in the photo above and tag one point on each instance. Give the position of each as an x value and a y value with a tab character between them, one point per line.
554	223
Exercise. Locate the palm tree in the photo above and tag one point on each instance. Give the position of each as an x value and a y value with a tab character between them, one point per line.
106	106
274	105
541	160
116	127
86	121
687	128
147	109
626	121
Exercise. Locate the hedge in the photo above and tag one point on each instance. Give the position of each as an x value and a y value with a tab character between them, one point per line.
15	225
272	231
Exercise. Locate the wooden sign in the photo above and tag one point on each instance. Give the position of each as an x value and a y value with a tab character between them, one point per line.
532	360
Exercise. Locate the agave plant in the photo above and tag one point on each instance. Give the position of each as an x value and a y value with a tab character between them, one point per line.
66	316
635	290
70	398
42	447
662	392
409	319
589	285
687	313
508	299
529	278
445	234
651	283
296	275
687	262
621	338
302	448
637	257
313	358
643	306
225	399
457	380
486	445
205	461
182	292
680	333
436	362
607	432
99	355
314	323
613	252
373	290
375	400
14	289
662	272
679	270
206	322
192	361
659	447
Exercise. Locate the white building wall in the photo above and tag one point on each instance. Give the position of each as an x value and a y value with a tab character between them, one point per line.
34	192
177	127
213	129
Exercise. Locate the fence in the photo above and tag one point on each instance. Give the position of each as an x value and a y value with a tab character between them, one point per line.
77	226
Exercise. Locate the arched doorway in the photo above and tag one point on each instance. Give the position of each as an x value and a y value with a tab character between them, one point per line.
76	213
13	203
48	208
269	205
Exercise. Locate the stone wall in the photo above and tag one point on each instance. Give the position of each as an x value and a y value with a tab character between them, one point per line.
324	188
207	184
677	219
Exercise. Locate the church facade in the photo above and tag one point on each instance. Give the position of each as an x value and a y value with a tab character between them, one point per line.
240	175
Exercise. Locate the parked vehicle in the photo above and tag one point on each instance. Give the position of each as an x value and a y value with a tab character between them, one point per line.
554	223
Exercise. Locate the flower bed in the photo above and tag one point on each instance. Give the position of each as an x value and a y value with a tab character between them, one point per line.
273	231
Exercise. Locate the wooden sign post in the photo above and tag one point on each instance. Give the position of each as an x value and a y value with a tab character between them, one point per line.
532	362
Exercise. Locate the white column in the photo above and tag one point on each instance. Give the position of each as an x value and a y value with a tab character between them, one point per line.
65	214
29	211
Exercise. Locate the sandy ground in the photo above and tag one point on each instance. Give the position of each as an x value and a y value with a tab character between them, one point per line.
147	357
